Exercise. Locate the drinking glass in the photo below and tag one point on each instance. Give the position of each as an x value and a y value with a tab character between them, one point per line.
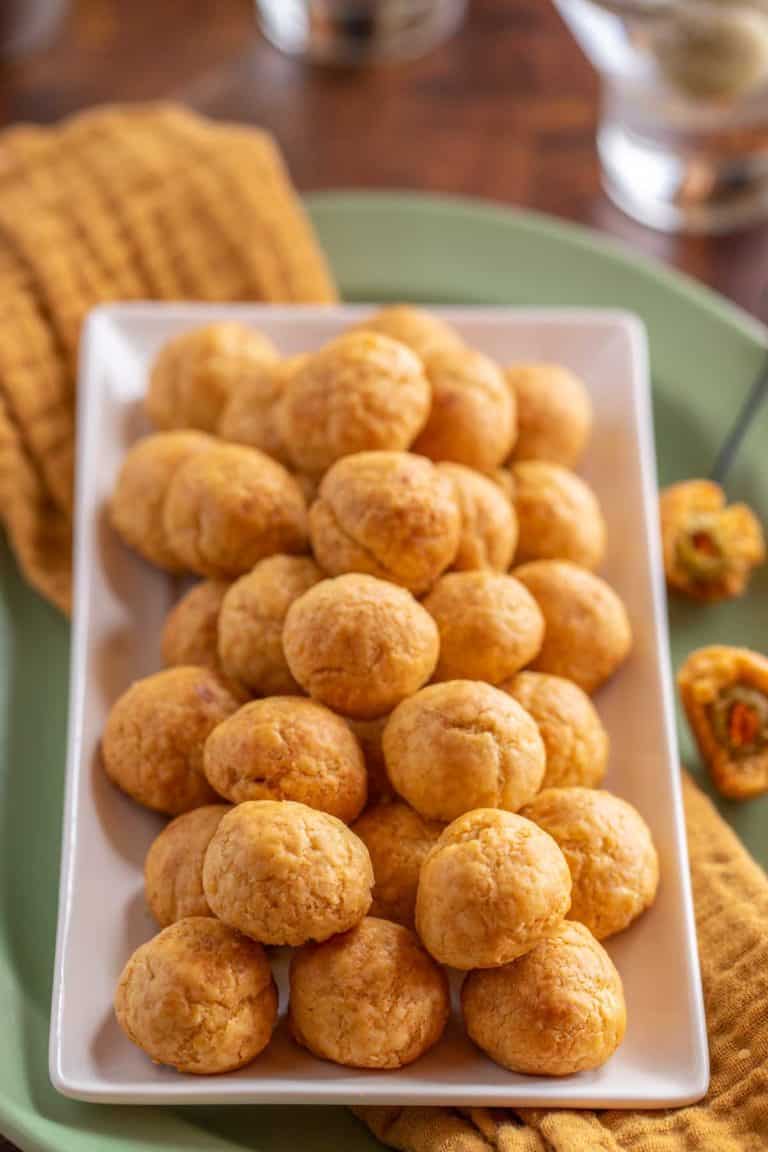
683	132
353	32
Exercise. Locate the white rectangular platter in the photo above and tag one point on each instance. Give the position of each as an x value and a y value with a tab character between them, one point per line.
120	603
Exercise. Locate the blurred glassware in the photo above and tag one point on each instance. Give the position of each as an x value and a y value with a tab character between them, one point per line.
683	133
28	25
355	32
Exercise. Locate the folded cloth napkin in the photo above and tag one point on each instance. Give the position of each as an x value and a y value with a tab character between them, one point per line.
122	203
731	900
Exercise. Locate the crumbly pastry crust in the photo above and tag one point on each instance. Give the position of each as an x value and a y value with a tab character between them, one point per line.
370	998
556	1011
199	996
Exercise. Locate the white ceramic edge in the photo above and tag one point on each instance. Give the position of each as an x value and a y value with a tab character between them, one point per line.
230	1093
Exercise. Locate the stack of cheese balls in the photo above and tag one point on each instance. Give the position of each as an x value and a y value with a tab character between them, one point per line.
376	740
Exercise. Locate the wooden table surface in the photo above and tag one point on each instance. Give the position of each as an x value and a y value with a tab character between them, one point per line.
507	110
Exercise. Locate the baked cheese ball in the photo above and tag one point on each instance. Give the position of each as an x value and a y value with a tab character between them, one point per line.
490	626
284	873
397	839
288	748
231	506
251	414
250	629
199	997
725	695
369	734
138	501
390	514
554	413
492	886
587	633
607	844
488	534
370	998
361	392
360	645
576	742
461	745
503	479
710	547
558	515
195	373
152	747
420	330
472	418
556	1011
191	630
173	868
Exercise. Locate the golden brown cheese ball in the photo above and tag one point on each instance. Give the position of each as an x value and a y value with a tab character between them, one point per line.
587	632
285	874
397	839
191	630
360	645
369	734
195	373
503	479
492	886
250	636
725	695
472	419
490	626
422	331
231	506
251	414
309	486
554	413
152	747
390	514
460	745
362	391
488	521
199	997
138	501
610	853
173	868
558	515
288	748
576	742
555	1011
371	998
710	548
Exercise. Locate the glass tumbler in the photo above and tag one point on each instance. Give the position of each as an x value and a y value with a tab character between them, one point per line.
683	133
355	32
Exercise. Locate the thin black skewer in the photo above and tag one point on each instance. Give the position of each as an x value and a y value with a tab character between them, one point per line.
747	414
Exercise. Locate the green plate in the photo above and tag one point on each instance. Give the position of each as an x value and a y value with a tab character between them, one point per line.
704	356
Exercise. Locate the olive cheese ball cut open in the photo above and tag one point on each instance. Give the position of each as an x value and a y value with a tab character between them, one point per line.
587	633
492	886
463	744
360	645
490	625
613	862
555	1011
137	508
231	506
370	998
173	868
284	873
152	747
575	739
288	748
195	373
390	514
199	997
363	391
250	632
